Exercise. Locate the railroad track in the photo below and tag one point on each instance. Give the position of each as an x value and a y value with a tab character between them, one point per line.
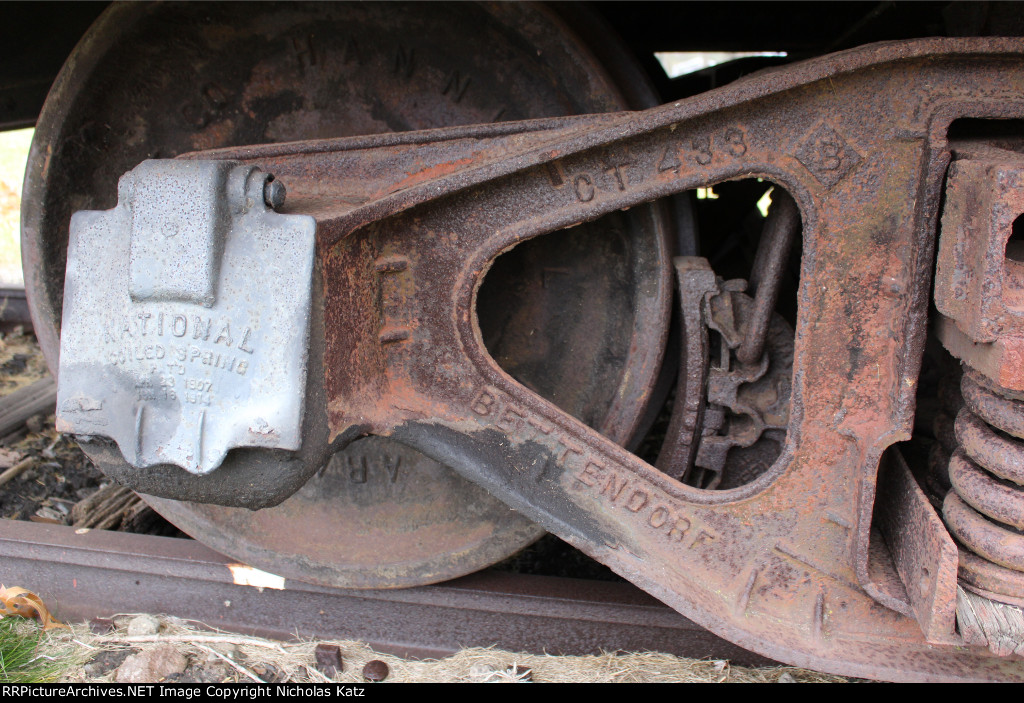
86	574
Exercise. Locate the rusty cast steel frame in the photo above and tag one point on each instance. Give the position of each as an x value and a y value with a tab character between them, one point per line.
784	566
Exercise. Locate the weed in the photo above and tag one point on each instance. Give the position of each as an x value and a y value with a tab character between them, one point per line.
21	657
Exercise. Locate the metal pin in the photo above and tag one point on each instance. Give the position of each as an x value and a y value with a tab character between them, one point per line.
274	193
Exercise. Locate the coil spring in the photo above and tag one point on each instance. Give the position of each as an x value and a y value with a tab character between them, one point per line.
985	508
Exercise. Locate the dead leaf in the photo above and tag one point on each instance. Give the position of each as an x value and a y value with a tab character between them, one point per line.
9	457
25	604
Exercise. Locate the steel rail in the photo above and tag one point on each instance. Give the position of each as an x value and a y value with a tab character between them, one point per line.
84	574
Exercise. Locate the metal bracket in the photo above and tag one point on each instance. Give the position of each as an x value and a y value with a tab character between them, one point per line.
186	317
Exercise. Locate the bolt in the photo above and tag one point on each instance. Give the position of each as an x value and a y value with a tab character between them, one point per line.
375	670
328	659
273	193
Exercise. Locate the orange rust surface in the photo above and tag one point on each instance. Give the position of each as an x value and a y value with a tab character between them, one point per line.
430	173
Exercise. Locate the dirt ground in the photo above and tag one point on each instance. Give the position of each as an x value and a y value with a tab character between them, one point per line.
61	475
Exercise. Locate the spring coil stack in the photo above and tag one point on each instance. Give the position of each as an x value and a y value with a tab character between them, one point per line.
985	508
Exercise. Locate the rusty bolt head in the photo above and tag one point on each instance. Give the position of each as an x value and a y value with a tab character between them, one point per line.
375	670
274	193
328	659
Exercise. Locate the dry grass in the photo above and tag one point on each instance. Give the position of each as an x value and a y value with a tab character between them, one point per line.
294	661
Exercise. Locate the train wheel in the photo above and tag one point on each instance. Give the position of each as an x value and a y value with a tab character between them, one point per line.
154	81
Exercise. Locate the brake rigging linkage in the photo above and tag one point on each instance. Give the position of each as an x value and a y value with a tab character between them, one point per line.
745	394
783	565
